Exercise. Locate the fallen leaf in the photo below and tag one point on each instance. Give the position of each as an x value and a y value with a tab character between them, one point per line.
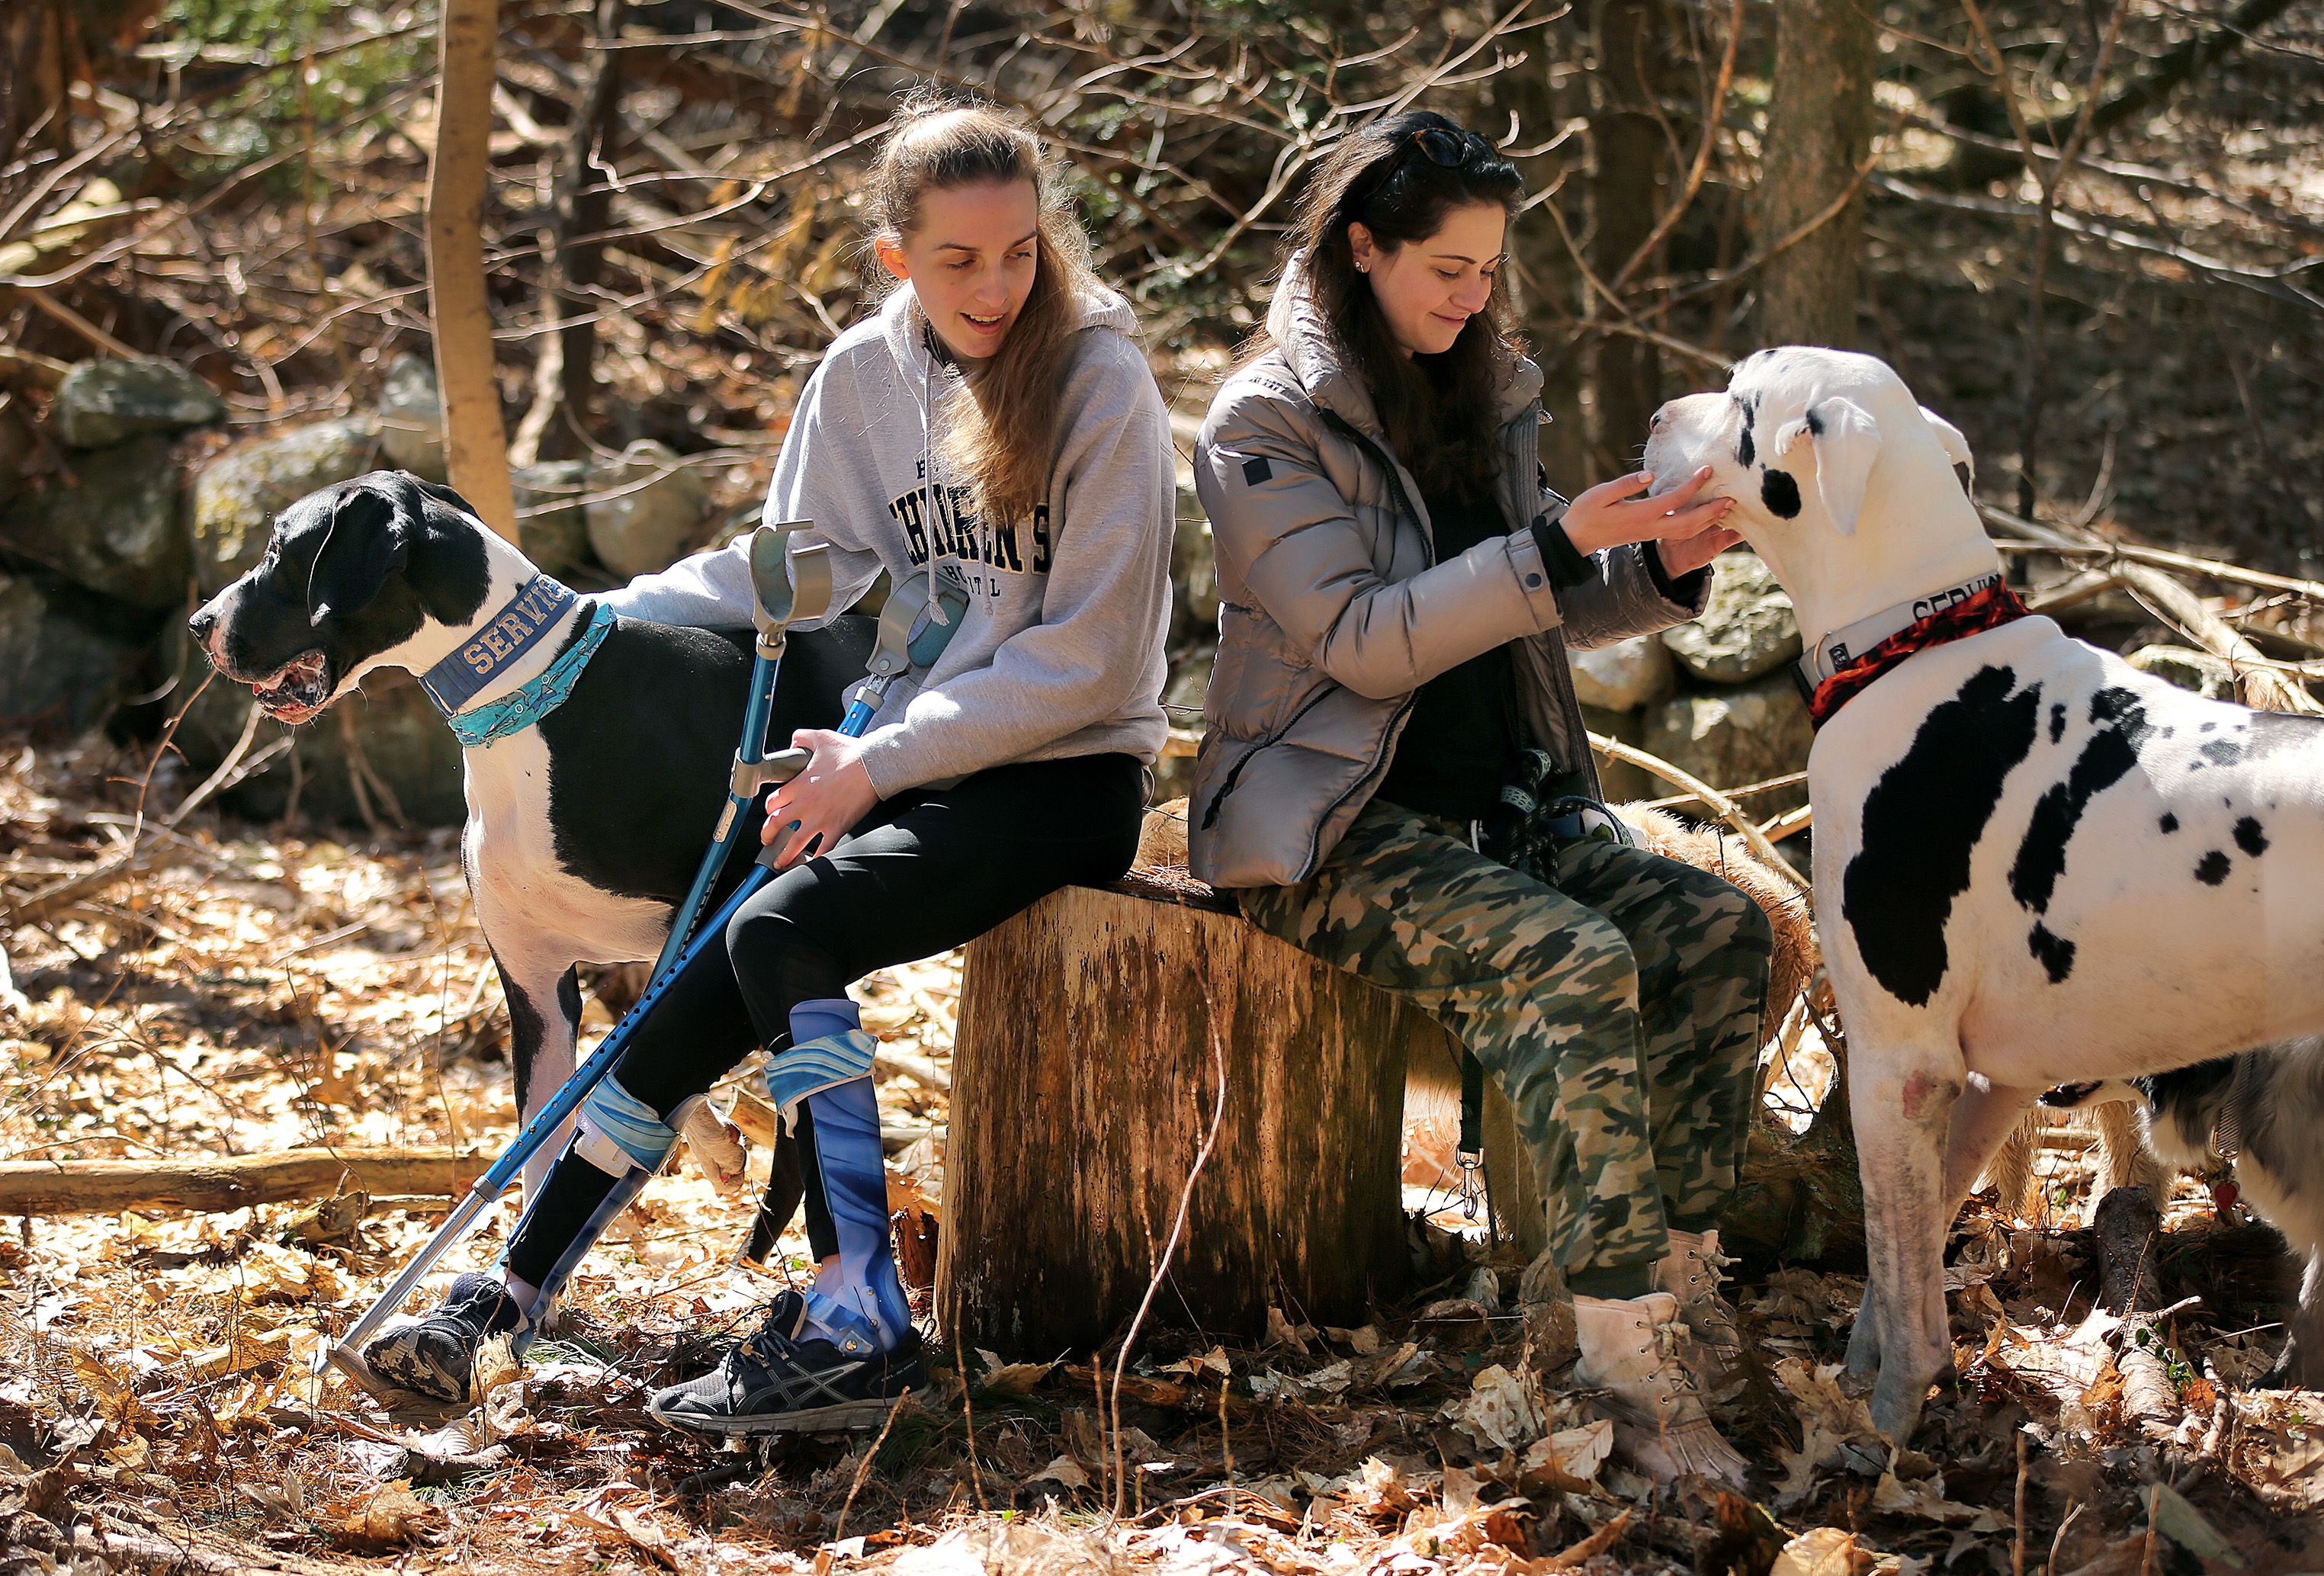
497	1365
1835	1430
392	1517
1377	1488
1363	1342
1065	1470
1568	1459
1282	1332
1212	1361
1010	1378
1823	1551
1497	1411
1391	1369
1926	1499
1449	1308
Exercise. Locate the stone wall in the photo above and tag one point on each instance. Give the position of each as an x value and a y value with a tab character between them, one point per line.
122	510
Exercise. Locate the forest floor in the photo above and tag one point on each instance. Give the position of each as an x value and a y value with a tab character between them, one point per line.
251	991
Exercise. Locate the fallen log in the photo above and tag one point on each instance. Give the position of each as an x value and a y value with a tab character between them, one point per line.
230	1182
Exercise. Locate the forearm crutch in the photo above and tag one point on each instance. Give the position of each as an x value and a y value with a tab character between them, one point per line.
904	634
787	586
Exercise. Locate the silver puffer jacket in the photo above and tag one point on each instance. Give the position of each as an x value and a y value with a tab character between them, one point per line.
1334	608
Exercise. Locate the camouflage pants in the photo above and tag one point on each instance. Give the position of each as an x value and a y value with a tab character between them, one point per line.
1617	1004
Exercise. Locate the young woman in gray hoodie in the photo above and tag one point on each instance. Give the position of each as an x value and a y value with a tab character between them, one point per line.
1398	588
995	427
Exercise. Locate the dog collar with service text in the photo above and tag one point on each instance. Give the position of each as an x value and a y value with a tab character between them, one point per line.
512	632
540	694
1835	650
1950	617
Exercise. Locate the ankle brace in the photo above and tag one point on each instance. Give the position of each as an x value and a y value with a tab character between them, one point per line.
828	1069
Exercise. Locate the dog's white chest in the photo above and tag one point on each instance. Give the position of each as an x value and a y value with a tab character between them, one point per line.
525	898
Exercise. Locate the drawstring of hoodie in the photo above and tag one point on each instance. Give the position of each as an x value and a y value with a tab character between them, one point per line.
928	348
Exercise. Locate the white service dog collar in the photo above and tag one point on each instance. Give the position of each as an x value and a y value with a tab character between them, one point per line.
1837	650
499	640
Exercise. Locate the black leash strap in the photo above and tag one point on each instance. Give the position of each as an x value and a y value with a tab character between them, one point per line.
1472	1153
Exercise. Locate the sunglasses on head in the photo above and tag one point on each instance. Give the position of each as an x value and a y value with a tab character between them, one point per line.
1447	147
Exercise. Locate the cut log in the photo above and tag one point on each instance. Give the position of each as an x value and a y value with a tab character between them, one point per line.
230	1182
1095	1030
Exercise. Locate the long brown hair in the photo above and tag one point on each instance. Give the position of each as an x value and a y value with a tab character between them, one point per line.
1000	438
1438	411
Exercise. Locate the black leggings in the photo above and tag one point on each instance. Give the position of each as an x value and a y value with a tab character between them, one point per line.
925	871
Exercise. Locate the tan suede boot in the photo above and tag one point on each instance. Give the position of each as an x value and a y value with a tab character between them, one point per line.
1690	1272
1630	1349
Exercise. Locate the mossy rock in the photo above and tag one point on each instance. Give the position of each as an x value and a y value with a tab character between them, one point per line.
101	403
237	495
117	528
59	666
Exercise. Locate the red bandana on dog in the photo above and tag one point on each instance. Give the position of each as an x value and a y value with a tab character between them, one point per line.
1988	609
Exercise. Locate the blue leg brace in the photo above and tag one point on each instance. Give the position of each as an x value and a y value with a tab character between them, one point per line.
623	1137
829	1068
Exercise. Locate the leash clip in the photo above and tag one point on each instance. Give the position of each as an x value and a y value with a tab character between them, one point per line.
1472	1190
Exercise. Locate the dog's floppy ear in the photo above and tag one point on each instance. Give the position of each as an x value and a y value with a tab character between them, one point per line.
1956	444
1847	446
368	540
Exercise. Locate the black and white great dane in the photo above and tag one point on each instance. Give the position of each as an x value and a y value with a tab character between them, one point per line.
2034	864
583	830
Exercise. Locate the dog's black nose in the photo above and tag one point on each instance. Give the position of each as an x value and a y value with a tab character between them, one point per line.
201	625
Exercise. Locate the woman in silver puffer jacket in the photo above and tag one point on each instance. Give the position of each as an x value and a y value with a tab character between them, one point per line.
1398	588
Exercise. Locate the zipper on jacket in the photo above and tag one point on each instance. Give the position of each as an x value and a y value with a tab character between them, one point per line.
1386	463
1210	816
1340	425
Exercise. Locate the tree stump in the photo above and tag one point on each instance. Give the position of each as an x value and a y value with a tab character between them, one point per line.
1094	1031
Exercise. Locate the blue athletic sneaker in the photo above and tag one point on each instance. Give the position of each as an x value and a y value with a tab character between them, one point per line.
784	1380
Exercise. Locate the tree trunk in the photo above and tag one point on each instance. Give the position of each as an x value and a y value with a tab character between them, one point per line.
1095	1030
31	77
2126	1225
1552	289
229	1182
476	443
1626	182
565	383
1819	130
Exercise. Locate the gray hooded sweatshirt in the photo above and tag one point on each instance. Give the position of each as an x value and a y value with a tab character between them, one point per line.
1060	652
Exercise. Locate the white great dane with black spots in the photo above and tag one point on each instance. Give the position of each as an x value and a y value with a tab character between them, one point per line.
2034	864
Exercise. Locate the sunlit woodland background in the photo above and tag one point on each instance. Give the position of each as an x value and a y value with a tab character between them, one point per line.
2088	233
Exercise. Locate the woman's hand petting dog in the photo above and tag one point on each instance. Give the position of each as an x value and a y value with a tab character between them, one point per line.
1686	534
814	810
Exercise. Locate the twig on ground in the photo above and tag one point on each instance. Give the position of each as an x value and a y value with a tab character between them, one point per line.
1170	1244
864	1467
2259	676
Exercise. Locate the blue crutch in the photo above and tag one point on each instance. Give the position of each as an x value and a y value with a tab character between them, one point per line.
907	637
